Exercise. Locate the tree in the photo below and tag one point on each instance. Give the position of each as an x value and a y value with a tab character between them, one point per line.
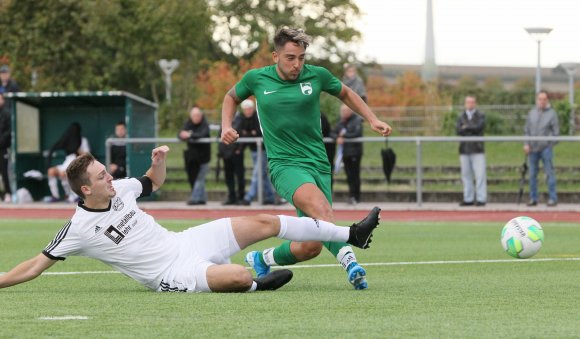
103	44
241	25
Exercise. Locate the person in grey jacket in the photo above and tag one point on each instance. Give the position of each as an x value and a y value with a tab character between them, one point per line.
354	81
471	154
542	121
350	126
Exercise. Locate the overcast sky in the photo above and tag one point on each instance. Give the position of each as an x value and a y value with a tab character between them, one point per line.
470	32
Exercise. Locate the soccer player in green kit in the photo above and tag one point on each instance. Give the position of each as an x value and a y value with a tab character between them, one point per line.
288	105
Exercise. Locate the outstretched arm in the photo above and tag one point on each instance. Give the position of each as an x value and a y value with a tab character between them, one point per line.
26	271
157	171
231	100
354	101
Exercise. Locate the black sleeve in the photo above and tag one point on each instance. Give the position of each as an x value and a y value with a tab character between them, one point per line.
354	129
201	132
147	186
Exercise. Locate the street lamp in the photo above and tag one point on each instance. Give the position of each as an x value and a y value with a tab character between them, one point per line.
570	68
168	67
538	34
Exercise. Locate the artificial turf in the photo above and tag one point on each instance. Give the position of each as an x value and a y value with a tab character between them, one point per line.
418	288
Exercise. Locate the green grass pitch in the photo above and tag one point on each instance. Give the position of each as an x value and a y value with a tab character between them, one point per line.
473	299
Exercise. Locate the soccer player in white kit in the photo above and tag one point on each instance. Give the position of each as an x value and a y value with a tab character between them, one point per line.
109	226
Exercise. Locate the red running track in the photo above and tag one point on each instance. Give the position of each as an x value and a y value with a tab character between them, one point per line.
476	216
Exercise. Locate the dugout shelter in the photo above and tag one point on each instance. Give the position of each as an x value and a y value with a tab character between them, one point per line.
39	119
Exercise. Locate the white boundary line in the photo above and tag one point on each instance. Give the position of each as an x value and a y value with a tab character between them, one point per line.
66	317
400	263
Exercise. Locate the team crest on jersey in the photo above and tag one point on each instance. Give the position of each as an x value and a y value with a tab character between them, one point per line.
118	204
306	88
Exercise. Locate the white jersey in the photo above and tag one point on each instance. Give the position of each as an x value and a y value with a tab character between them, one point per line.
122	236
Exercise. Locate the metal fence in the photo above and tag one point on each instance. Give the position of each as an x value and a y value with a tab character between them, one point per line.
418	140
433	120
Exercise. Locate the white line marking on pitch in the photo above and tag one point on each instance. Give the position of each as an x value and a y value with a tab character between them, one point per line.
66	317
400	263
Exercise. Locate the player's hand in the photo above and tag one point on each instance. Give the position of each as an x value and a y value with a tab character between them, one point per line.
527	149
381	127
229	136
159	154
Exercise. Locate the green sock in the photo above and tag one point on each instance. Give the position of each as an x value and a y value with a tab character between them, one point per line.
282	255
334	247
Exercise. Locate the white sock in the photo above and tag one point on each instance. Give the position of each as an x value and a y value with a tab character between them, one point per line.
65	186
253	287
346	256
268	255
53	185
309	229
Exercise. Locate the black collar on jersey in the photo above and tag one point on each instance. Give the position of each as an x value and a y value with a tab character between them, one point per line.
96	210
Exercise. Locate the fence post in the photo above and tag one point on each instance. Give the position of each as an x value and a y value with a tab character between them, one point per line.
419	172
259	164
107	152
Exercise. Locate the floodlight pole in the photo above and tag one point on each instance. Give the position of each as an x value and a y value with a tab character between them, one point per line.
168	67
570	68
538	34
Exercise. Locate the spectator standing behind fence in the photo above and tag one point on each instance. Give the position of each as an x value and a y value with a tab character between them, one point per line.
471	123
234	170
197	155
542	121
7	84
354	81
118	164
330	147
350	126
5	142
251	129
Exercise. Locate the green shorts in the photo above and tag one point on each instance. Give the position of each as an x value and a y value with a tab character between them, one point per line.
286	180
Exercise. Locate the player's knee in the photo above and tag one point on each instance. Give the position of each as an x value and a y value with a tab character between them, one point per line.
310	249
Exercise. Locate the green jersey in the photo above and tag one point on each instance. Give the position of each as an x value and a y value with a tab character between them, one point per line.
289	113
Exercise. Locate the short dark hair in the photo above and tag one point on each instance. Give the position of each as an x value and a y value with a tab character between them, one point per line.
544	92
120	123
77	174
295	35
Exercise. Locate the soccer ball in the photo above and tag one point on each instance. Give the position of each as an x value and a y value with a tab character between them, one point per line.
522	237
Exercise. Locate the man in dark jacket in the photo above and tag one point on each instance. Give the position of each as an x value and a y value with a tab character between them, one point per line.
234	169
250	128
7	84
471	154
118	165
350	126
197	155
5	142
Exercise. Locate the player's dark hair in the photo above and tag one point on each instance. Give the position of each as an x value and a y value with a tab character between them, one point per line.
295	35
77	174
120	123
543	91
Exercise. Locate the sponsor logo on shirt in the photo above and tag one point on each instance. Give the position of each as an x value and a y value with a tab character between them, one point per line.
97	229
118	204
123	228
113	234
269	92
306	88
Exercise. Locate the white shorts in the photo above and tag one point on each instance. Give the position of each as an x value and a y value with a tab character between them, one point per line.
202	246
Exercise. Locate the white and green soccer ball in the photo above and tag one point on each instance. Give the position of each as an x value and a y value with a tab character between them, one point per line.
522	237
